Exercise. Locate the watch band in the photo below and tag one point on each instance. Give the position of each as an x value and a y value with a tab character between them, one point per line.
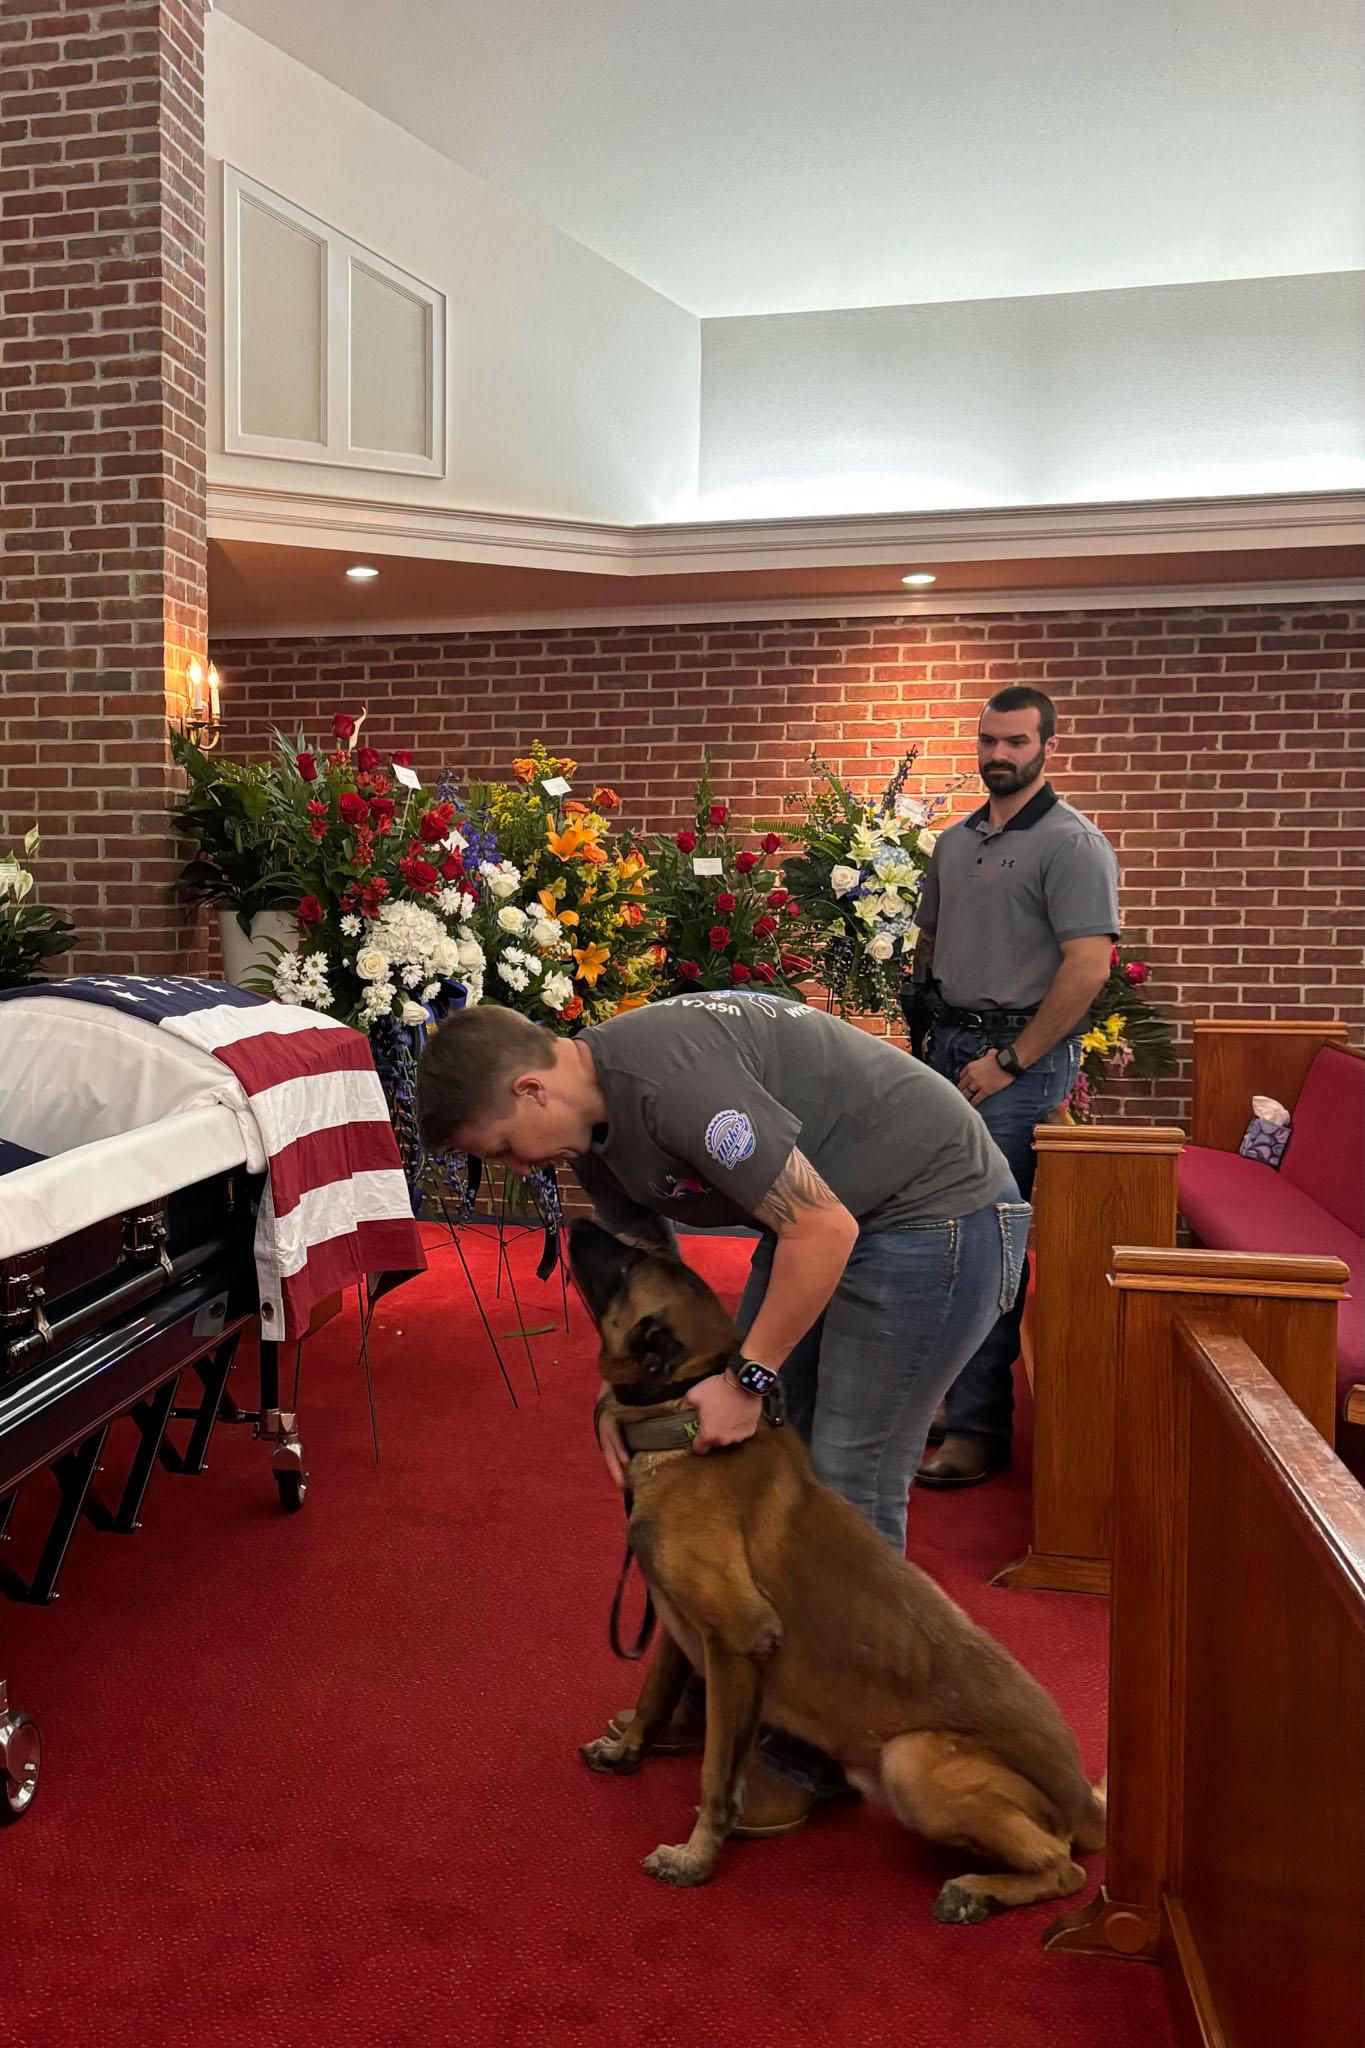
1008	1059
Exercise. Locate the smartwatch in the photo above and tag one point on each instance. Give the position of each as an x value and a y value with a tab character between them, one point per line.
1009	1060
754	1378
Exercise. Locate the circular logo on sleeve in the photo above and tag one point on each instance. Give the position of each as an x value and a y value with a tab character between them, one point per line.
730	1138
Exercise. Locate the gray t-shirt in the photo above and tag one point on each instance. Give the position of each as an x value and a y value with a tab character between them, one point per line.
709	1094
1000	903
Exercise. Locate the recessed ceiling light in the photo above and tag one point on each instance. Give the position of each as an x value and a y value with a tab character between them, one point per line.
361	572
920	579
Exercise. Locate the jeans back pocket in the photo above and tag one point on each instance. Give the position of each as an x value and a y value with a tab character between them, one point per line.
1014	1219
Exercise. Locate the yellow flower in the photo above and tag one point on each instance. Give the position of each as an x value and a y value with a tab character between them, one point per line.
591	962
1094	1041
1113	1024
631	867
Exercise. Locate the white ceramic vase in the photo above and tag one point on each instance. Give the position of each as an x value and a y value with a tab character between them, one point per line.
243	957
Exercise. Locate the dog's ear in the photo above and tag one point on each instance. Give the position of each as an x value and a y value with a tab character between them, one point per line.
656	1348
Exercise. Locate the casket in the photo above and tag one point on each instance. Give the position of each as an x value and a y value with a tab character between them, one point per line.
129	1185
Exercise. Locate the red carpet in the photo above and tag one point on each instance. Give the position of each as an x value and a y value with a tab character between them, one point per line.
312	1779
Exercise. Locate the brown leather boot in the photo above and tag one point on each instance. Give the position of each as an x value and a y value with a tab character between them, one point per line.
772	1805
961	1461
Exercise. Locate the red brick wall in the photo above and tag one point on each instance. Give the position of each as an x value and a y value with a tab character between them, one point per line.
102	344
1218	749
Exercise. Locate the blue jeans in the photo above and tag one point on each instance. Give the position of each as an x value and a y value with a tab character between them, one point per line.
980	1402
913	1305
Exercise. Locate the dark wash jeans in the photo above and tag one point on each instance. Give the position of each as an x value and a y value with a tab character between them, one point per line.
980	1402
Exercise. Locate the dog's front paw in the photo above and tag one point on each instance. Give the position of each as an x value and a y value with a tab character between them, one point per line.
959	1906
609	1754
678	1865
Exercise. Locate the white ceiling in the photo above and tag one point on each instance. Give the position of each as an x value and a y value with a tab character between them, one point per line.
766	156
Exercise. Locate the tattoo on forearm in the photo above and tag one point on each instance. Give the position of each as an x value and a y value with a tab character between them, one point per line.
797	1190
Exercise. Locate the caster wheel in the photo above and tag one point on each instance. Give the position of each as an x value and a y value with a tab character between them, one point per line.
293	1490
21	1763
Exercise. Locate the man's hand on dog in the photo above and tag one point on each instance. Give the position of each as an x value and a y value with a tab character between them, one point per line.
610	1441
726	1413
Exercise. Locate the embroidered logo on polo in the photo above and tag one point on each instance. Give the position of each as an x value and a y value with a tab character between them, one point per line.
730	1138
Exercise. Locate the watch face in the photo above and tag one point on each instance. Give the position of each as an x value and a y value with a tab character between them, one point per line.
757	1378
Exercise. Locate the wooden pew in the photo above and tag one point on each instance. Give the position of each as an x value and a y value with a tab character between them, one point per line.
1097	1185
1234	1060
1237	1658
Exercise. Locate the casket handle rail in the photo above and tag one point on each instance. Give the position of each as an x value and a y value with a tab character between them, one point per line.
24	1309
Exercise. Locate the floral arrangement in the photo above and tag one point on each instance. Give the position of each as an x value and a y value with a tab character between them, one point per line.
857	883
31	934
561	914
1126	1036
725	919
384	907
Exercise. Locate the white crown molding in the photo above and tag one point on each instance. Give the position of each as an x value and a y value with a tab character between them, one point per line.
959	604
246	512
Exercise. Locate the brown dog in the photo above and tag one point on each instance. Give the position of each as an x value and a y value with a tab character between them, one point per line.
800	1615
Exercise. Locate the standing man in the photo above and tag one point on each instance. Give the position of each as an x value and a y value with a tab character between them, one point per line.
1017	918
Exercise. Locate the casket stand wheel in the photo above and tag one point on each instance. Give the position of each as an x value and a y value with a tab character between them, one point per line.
21	1760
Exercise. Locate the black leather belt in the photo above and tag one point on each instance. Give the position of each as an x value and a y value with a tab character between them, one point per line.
982	1020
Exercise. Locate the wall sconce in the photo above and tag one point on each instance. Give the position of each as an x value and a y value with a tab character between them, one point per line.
201	721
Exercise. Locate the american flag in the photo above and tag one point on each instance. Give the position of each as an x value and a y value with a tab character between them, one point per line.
335	1205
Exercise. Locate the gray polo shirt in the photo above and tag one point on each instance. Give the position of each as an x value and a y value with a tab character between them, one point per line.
709	1094
1000	903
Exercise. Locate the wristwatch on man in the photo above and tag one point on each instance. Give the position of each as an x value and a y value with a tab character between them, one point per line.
755	1379
1009	1060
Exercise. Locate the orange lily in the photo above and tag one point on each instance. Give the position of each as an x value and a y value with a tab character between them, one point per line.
571	844
591	962
631	1003
547	900
566	917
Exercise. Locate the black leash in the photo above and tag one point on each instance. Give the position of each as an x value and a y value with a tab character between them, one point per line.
650	1620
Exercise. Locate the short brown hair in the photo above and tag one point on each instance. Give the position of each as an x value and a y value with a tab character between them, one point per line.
1019	697
468	1062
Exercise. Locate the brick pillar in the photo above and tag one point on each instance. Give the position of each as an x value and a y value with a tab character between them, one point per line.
102	345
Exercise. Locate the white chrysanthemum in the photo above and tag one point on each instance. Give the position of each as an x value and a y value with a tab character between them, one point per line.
351	925
451	900
411	976
843	880
557	990
431	991
513	976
